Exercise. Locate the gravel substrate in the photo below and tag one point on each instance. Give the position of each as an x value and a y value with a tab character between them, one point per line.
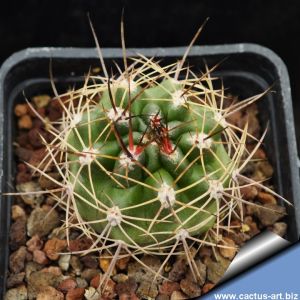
41	263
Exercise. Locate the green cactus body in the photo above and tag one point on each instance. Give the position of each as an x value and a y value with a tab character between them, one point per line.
153	189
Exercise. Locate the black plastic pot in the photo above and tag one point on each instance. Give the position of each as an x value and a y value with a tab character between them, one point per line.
249	69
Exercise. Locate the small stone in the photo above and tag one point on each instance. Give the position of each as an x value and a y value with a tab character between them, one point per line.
190	288
280	228
58	232
89	261
14	280
53	248
120	278
249	192
88	274
266	198
17	260
46	183
21	110
216	269
76	264
39	280
147	289
67	285
75	294
132	296
81	282
228	252
41	100
266	168
177	295
80	244
168	287
205	251
64	262
91	294
17	234
253	229
141	273
40	257
30	268
95	281
160	297
30	188
200	273
269	213
35	243
42	221
50	293
207	287
25	122
122	263
18	293
17	212
179	269
104	264
109	291
53	270
127	287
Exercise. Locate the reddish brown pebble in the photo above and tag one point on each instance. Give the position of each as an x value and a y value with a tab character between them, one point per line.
205	251
228	252
122	263
132	296
168	287
190	288
53	247
67	285
89	261
75	294
249	192
266	198
21	110
95	281
35	243
207	287
40	257
80	244
25	122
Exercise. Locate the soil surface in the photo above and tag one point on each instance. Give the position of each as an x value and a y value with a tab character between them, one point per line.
42	264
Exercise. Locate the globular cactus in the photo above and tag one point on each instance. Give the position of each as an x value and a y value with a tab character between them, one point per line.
149	163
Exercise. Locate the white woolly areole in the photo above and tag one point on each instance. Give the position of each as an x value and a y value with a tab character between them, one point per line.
235	174
88	156
178	99
166	195
114	216
128	162
182	234
123	83
76	119
117	114
69	189
201	141
219	118
216	189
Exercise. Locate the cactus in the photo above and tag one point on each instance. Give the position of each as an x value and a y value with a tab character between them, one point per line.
148	162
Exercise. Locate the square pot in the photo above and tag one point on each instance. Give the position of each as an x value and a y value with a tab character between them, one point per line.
248	70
